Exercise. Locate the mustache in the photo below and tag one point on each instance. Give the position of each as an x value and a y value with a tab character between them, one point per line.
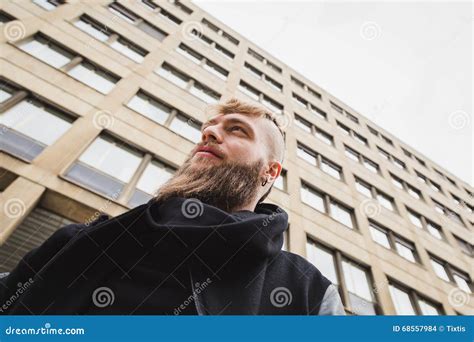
210	145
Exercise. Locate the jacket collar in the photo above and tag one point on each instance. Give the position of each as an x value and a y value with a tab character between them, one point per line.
179	227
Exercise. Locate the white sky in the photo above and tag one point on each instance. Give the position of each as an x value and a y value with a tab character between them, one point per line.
414	78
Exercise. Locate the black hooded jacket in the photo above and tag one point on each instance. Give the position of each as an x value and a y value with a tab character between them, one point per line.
178	257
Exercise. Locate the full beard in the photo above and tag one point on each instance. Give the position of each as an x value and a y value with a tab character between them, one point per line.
225	185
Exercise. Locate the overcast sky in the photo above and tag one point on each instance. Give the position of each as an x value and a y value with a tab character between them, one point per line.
406	66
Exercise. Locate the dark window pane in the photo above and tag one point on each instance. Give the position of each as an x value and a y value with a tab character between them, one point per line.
95	180
18	144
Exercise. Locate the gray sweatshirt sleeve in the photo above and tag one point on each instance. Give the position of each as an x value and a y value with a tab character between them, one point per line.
331	304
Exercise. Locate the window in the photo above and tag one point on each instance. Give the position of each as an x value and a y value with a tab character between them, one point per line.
309	106
465	246
340	110
150	107
106	166
324	137
370	191
5	17
387	238
280	182
357	157
328	205
199	59
319	161
155	175
317	132
423	223
6	91
164	114
442	209
220	31
434	230
409	302
323	259
264	77
405	250
213	45
313	198
30	125
49	5
356	136
46	50
114	40
178	4
353	279
379	135
286	239
415	219
78	67
94	77
412	156
305	87
379	235
186	82
403	185
186	127
434	186
152	6
394	160
402	302
174	76
449	273
358	286
258	96
341	213
129	16
265	61
303	124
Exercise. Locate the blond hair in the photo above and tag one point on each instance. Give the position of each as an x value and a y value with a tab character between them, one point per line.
234	105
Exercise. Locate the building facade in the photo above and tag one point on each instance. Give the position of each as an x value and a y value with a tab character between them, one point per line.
102	100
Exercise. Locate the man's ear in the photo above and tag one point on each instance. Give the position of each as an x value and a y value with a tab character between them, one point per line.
274	169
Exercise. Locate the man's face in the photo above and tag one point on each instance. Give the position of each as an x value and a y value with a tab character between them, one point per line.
226	168
232	138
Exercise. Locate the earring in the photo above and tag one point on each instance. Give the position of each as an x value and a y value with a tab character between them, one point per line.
265	182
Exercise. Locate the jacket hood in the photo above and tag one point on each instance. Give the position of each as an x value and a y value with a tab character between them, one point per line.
180	228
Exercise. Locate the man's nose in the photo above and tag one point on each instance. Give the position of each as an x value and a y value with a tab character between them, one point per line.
211	133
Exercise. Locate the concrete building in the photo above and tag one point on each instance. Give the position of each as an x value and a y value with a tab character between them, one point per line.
101	101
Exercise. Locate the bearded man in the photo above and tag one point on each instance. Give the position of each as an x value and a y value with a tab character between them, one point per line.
206	244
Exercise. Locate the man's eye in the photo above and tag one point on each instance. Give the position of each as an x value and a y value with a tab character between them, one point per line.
233	128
